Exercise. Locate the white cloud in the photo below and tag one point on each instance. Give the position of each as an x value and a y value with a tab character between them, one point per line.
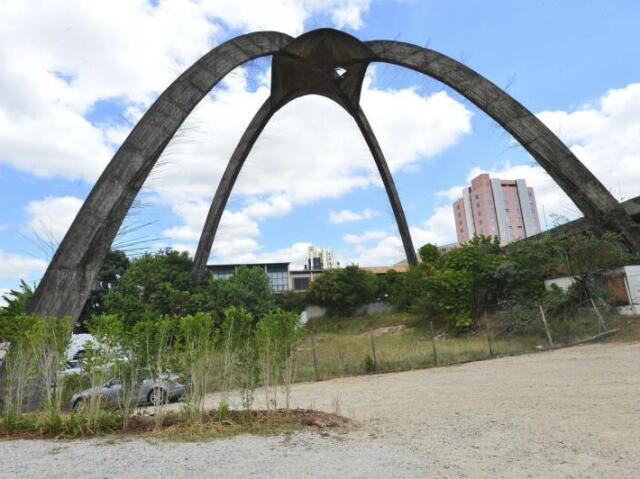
347	216
364	237
16	266
451	194
605	136
285	15
50	218
325	157
387	251
60	57
438	229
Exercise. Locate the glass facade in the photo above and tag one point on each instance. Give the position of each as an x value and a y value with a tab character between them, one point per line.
278	273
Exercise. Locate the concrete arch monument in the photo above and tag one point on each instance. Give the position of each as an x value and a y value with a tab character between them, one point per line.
322	62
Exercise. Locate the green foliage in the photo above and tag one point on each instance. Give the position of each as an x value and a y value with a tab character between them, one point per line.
341	291
32	362
291	301
161	284
247	288
15	307
430	254
369	364
387	284
153	284
278	334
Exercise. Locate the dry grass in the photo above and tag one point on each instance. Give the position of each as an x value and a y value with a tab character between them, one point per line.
344	354
343	344
178	426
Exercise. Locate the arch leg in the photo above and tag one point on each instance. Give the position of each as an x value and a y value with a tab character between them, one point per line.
389	185
596	203
239	156
228	180
70	277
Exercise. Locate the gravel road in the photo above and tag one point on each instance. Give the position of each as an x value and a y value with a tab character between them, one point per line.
568	413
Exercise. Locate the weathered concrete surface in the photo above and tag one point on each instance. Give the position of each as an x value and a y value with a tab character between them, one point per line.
307	66
590	196
239	156
632	207
71	274
325	62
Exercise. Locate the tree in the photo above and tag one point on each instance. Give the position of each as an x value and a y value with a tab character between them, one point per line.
483	262
248	288
153	284
584	256
341	291
16	305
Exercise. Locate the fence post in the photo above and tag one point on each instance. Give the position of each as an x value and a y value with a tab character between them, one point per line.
315	356
433	345
490	341
373	350
601	326
546	325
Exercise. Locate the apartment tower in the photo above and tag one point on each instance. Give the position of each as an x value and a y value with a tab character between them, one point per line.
505	209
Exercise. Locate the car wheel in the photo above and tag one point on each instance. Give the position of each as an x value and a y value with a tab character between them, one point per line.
157	396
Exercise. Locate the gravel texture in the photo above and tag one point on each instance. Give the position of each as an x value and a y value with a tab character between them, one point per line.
569	413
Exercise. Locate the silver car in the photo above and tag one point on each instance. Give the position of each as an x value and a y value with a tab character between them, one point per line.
169	388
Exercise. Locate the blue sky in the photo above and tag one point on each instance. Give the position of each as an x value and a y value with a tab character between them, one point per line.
79	74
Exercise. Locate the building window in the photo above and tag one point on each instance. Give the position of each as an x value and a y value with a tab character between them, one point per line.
300	284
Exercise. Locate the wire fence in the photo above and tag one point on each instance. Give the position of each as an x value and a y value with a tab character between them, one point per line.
514	330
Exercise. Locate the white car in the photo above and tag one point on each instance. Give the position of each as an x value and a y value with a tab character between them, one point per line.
78	346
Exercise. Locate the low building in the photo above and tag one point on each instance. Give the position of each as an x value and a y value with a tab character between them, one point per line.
623	285
278	273
399	267
300	280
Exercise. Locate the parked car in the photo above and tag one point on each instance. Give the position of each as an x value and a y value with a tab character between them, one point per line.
78	345
170	388
70	368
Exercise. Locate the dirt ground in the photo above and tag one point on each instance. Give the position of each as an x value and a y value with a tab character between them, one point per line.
568	413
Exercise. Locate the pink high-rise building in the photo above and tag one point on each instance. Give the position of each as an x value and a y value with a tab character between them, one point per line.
505	209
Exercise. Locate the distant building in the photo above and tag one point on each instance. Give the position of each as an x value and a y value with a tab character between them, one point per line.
300	280
319	259
505	209
278	273
445	248
399	267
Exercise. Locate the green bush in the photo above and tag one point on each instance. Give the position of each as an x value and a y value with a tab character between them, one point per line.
341	291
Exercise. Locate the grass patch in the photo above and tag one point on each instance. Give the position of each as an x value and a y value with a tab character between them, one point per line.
360	324
343	347
629	330
177	426
346	354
